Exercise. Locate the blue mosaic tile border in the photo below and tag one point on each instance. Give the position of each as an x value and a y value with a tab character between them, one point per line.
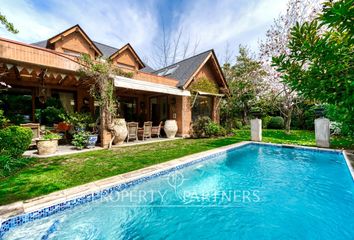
50	230
49	211
29	217
309	149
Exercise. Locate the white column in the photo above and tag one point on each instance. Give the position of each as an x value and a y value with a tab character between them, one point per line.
322	132
256	130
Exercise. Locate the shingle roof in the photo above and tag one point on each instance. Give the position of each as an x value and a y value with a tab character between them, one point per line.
183	70
42	44
147	69
106	50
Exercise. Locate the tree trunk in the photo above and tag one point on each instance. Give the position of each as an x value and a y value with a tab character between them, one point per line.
106	135
244	117
244	114
288	120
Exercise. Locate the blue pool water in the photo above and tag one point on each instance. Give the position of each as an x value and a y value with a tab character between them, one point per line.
254	192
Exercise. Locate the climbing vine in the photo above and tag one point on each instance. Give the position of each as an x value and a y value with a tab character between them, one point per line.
102	88
202	84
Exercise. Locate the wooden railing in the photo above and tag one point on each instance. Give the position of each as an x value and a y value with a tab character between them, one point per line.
24	53
17	52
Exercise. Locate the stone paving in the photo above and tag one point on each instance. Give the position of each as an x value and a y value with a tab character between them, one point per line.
69	149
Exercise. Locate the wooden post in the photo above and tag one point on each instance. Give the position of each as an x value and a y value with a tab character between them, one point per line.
106	135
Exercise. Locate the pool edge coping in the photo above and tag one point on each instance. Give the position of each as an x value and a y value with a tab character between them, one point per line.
24	207
349	165
38	203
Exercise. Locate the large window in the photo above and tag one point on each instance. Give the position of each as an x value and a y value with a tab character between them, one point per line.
128	108
67	100
202	107
17	104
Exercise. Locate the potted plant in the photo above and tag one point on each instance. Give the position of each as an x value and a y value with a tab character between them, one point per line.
48	143
80	139
79	121
93	136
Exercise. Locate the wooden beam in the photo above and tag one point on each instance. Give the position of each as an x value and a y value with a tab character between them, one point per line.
17	73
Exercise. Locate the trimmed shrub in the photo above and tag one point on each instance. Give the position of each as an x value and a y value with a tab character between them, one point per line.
200	126
265	121
204	127
214	129
14	140
276	123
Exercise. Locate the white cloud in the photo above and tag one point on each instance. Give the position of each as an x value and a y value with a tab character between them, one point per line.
213	23
111	23
233	22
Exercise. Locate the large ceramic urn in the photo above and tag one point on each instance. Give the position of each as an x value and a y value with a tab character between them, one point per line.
120	130
47	146
170	128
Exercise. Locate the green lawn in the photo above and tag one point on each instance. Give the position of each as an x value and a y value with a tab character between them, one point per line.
44	176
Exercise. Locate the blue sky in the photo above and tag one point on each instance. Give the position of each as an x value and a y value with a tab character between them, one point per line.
213	24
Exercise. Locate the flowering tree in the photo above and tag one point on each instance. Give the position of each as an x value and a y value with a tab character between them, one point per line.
319	64
276	44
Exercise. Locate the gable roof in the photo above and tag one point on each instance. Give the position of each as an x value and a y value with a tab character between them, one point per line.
128	46
147	69
106	50
184	69
75	28
42	44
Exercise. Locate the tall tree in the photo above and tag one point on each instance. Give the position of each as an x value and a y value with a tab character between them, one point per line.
320	62
171	48
245	82
8	25
276	43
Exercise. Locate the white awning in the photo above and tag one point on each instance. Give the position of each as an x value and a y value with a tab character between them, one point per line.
210	94
123	82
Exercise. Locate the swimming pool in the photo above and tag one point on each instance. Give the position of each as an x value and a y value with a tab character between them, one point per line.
251	192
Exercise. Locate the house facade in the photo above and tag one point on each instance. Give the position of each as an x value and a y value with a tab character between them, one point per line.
45	71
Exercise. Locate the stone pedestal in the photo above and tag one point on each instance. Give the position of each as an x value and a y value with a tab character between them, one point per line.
322	132
256	130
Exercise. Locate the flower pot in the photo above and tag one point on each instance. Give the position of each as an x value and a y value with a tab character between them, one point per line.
46	147
120	130
92	139
170	128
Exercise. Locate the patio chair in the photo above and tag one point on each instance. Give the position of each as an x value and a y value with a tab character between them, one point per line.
36	130
155	130
145	132
132	131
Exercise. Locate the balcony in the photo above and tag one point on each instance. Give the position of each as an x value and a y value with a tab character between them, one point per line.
16	52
